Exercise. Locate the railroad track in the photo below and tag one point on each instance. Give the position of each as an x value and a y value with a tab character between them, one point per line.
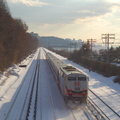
100	112
109	92
88	115
32	106
17	106
50	93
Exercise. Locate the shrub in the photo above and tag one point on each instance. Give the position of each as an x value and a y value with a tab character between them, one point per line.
117	80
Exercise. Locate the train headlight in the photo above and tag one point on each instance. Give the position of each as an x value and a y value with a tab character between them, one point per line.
70	90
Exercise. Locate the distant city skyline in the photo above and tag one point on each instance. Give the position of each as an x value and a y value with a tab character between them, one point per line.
79	19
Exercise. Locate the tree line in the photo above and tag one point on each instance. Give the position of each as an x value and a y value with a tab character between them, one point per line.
15	42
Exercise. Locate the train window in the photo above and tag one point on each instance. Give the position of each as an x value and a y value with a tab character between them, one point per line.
81	78
72	78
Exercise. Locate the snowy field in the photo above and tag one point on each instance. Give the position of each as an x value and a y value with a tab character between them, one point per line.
9	85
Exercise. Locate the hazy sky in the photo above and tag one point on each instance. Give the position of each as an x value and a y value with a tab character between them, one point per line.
79	19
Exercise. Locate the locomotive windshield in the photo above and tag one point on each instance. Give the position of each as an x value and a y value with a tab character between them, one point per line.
72	78
81	78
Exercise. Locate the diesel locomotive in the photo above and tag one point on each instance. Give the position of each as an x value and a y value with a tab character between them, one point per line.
73	83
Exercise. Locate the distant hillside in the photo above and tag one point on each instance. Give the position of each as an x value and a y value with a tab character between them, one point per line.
51	41
55	42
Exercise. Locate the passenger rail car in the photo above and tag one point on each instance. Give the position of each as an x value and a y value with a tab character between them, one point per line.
72	83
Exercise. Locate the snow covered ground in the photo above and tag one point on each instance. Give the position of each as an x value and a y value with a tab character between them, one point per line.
10	85
54	107
118	64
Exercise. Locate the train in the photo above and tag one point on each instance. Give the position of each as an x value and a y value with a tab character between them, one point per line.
72	83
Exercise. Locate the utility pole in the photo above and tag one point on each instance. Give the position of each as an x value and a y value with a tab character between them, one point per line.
91	44
107	38
82	48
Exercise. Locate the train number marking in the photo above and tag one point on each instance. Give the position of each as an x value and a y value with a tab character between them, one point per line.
76	83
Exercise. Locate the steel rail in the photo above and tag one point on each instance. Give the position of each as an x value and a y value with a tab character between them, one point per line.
55	118
96	111
96	108
106	104
34	88
87	115
16	96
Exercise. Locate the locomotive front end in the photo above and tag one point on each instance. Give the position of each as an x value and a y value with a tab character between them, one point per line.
76	88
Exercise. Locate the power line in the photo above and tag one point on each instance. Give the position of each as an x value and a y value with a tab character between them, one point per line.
107	38
91	43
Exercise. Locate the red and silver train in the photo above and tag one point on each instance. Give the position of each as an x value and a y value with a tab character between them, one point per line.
72	83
